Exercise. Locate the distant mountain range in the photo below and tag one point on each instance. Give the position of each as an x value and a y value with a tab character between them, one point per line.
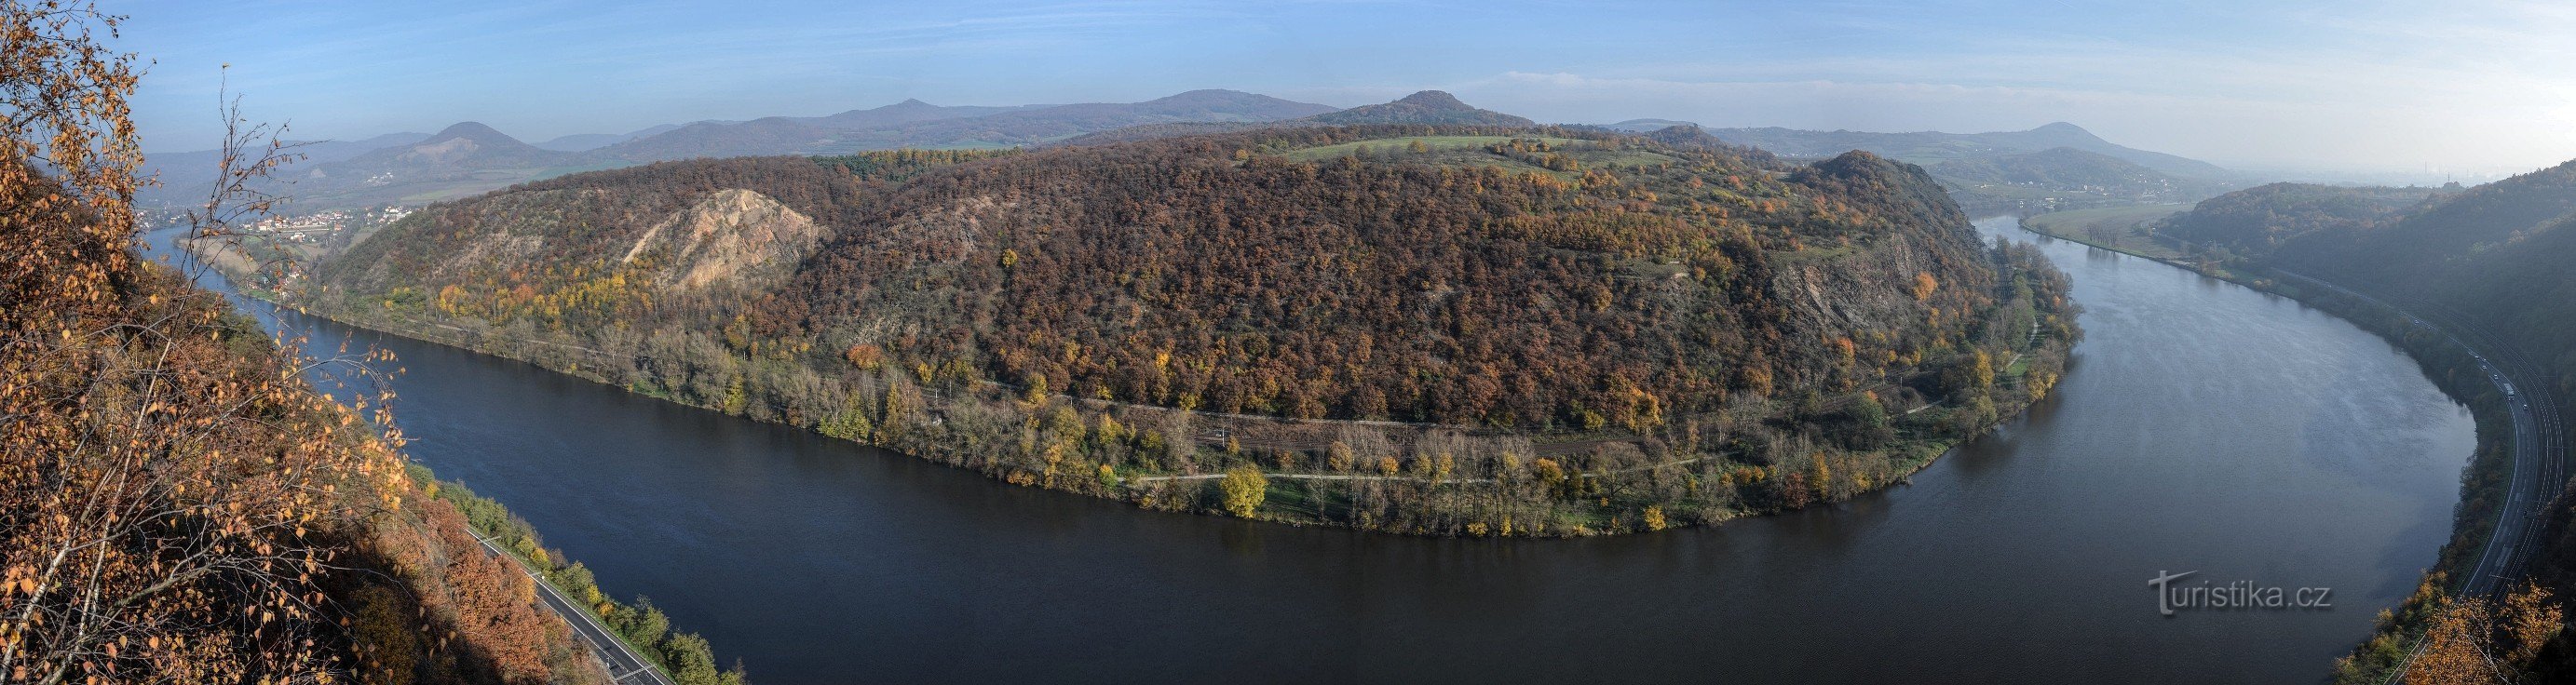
592	141
470	158
1430	107
2057	166
1934	147
2050	167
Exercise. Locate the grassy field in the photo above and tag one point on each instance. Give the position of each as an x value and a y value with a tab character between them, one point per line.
2112	227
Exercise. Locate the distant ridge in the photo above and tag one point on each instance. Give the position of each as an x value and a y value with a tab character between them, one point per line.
1425	107
913	123
1933	147
470	157
581	142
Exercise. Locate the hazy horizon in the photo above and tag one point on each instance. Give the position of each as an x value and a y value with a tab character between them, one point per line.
2367	88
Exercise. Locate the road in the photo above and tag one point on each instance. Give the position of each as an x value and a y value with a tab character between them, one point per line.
624	665
2538	472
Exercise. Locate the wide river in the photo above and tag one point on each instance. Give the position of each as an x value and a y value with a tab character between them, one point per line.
2203	427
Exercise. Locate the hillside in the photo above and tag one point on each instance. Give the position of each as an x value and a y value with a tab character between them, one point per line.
1429	330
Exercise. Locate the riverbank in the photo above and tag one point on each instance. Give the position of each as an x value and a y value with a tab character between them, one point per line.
2462	374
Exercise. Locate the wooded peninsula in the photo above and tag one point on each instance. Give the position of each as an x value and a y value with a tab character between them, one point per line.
1442	330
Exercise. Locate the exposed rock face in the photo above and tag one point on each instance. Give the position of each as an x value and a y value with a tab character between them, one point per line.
729	238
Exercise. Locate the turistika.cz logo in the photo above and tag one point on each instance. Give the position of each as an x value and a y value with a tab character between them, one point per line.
2242	594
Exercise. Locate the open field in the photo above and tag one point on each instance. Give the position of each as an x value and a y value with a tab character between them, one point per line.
2111	227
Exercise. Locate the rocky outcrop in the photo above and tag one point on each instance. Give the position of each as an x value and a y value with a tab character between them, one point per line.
729	238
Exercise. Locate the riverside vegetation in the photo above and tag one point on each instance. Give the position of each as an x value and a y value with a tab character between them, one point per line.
1448	330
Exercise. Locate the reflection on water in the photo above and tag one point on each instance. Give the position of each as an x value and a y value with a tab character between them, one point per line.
2202	427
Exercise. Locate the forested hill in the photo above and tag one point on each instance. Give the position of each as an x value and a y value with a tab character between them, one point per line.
1243	273
2497	251
1503	281
2257	220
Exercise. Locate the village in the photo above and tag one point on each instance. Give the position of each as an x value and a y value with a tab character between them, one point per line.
314	228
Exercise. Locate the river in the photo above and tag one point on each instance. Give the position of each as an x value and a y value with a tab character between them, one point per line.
2202	427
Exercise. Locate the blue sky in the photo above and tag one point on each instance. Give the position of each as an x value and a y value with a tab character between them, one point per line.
2475	86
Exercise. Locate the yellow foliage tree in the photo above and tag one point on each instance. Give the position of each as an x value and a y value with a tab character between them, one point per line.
1244	488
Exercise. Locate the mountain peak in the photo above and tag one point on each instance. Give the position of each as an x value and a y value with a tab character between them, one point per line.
1204	92
2062	128
909	103
1439	100
470	129
1426	107
467	143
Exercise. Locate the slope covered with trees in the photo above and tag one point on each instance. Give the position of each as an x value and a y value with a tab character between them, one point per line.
2257	220
1434	329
